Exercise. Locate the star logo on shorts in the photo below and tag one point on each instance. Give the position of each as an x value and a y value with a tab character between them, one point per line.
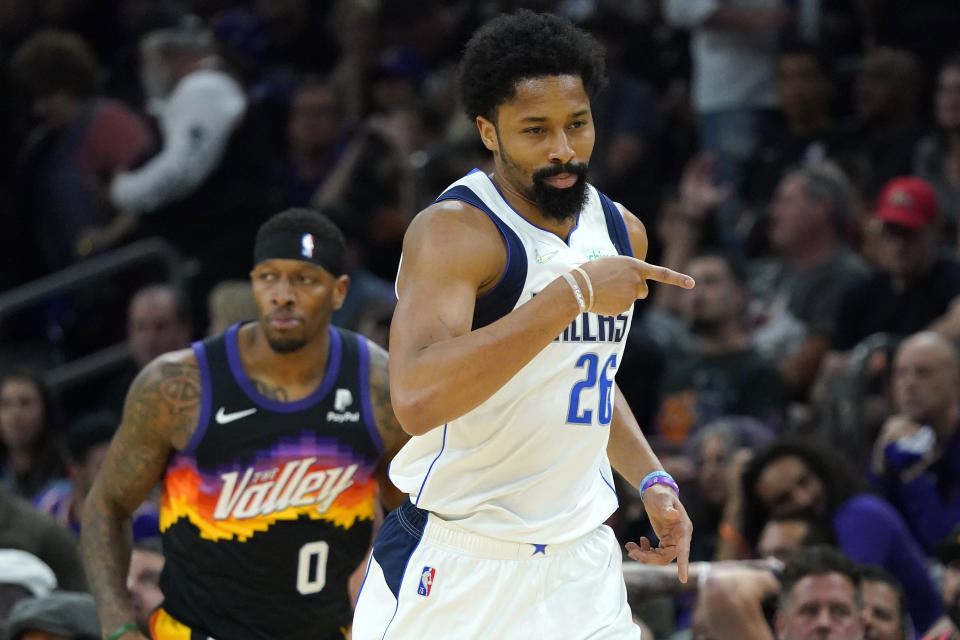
539	548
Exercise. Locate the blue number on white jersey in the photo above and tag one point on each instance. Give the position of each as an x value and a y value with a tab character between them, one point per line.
605	387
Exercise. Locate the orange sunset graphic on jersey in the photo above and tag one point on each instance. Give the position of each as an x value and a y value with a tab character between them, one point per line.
311	477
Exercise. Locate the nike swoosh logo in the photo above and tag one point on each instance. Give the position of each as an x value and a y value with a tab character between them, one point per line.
223	417
546	256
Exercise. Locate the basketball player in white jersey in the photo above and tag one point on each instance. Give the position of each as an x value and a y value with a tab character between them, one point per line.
516	292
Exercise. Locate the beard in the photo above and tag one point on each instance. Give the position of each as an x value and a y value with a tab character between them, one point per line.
559	204
285	345
282	344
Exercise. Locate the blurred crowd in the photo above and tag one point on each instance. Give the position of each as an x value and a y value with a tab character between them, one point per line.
799	158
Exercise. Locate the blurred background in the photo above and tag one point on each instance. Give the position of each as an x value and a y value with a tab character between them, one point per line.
799	158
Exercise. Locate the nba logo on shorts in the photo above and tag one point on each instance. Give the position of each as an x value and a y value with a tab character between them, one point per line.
306	245
426	581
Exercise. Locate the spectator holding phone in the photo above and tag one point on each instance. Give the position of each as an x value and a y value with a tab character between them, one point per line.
916	457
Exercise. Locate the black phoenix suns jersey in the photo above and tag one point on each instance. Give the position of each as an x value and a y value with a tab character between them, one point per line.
270	507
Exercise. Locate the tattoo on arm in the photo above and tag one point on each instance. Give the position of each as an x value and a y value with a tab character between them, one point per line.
274	393
390	431
160	413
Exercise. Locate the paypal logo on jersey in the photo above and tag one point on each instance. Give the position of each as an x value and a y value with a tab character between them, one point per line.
342	399
589	327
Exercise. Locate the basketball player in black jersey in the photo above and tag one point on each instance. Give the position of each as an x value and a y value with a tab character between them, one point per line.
270	440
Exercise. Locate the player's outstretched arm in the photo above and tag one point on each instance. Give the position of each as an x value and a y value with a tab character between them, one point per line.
160	413
439	368
391	433
630	454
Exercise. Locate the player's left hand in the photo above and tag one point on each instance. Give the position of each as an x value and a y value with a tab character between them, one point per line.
671	524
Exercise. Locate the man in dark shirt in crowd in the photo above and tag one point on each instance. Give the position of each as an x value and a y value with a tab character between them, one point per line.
159	319
723	375
807	133
797	290
915	285
878	144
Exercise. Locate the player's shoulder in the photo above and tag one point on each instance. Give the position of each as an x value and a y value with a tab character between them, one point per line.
164	399
636	230
177	358
453	231
175	373
454	218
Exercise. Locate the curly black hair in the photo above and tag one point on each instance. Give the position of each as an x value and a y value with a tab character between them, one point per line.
521	45
839	482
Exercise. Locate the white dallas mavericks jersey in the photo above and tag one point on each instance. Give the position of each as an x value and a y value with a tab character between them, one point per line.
529	465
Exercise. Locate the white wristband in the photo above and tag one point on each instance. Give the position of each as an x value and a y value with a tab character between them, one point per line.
576	291
589	286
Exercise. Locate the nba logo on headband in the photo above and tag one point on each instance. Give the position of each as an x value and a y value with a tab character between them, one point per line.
306	245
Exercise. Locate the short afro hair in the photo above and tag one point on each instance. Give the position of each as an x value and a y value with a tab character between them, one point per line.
521	45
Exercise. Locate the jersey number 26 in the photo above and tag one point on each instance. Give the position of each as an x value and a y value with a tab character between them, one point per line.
591	362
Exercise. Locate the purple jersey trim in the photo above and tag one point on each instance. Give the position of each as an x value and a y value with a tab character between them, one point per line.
206	396
243	380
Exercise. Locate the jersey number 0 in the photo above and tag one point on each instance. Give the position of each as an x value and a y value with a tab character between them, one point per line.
312	567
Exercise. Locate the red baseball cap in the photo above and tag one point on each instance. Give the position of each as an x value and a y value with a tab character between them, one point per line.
909	202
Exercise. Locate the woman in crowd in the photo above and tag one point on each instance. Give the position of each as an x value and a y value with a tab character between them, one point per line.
31	454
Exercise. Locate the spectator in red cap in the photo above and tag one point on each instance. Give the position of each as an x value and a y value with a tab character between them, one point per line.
914	285
908	201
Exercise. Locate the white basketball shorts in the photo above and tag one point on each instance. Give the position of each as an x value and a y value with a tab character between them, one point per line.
429	580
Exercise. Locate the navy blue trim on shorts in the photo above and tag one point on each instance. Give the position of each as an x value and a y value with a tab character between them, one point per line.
616	227
396	541
502	298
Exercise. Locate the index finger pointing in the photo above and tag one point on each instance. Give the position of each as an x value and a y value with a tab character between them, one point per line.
665	275
683	557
